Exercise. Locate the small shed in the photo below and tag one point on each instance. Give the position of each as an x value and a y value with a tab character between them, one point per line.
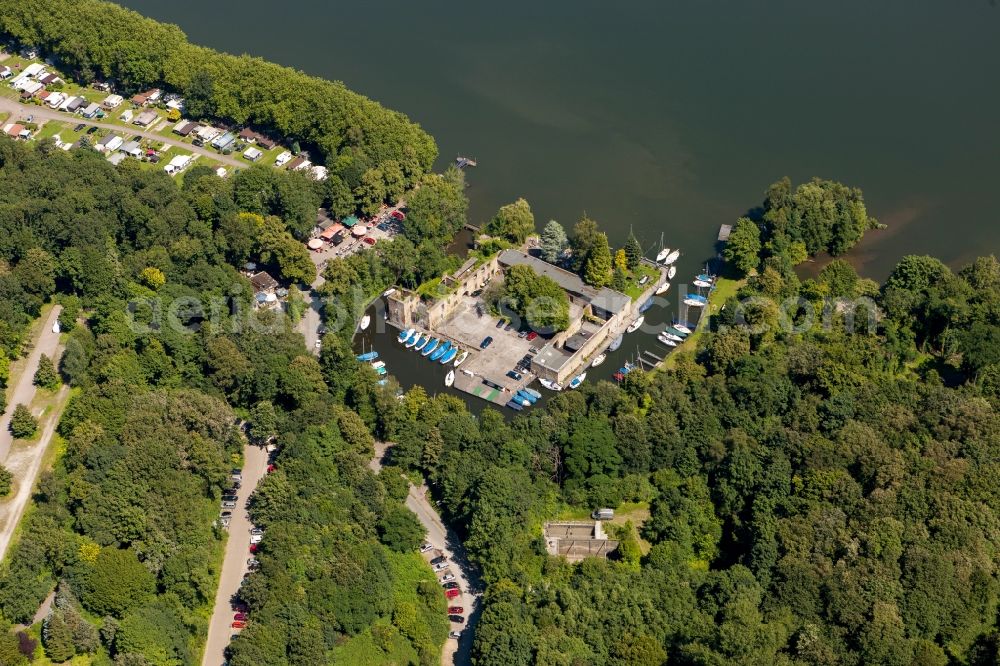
252	154
145	119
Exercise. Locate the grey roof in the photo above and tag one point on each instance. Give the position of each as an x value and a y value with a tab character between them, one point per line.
603	298
552	357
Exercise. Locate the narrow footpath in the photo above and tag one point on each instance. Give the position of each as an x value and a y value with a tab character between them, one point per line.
25	461
235	563
455	652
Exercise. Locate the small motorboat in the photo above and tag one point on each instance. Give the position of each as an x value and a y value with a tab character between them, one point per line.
550	385
405	336
579	379
381	370
367	356
616	343
671	272
705	277
667	341
364	322
645	306
450	356
440	351
662	255
421	343
513	404
672	257
532	392
600	358
643	280
526	396
625	369
449	379
673	331
378	364
635	325
662	289
682	328
429	349
389	292
461	358
703	284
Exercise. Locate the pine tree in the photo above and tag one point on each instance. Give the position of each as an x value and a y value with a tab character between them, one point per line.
633	252
554	242
619	281
22	424
57	637
597	271
46	375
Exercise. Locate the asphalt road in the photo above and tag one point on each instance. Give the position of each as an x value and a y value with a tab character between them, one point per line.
456	652
235	563
20	111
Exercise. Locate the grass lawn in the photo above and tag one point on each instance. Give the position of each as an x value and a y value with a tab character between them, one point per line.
633	289
724	289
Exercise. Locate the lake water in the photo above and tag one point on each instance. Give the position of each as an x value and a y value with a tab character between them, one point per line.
672	117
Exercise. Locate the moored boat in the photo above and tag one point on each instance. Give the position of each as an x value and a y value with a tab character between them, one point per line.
616	343
703	284
579	379
662	289
532	392
671	336
672	257
695	300
667	341
526	396
645	306
515	405
635	325
422	343
461	358
662	255
550	385
449	379
441	351
381	370
672	272
367	356
389	292
378	364
405	336
364	322
431	346
675	331
682	328
450	356
600	358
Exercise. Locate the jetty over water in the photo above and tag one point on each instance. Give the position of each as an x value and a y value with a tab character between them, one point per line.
462	162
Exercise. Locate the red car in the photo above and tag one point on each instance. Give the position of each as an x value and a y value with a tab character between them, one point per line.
369	240
271	468
531	336
239	625
240	617
451	594
398	215
253	547
455	610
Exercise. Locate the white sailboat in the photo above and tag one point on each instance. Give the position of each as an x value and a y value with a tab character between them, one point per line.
579	379
449	378
364	322
667	341
682	328
550	385
636	324
664	251
662	289
672	257
672	272
598	360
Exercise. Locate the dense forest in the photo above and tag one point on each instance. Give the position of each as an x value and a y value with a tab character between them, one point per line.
369	150
125	525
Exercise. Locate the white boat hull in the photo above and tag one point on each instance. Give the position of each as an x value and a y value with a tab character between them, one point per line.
635	325
662	289
672	272
550	385
694	303
663	254
672	257
667	342
449	378
461	358
364	322
597	361
682	328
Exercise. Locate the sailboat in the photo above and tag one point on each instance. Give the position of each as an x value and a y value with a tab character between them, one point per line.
704	284
667	341
670	336
671	272
550	385
635	325
378	364
598	360
663	252
461	359
662	289
364	322
672	257
676	331
682	328
616	343
579	379
696	301
449	379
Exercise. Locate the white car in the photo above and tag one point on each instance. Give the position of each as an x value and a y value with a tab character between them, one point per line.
256	538
256	532
424	548
440	566
447	577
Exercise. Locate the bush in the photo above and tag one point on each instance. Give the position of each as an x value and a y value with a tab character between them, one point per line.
6	481
116	582
22	424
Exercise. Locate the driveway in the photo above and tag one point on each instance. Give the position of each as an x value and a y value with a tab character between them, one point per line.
21	111
235	563
457	652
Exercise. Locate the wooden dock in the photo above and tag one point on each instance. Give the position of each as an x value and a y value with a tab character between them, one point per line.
462	162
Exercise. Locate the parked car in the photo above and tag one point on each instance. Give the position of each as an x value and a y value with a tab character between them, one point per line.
450	585
513	374
398	215
79	128
447	577
456	610
256	532
236	475
532	336
240	617
425	547
454	634
228	504
499	323
236	485
226	514
487	341
369	240
384	226
256	538
439	567
254	548
271	468
452	594
439	559
92	130
239	624
458	619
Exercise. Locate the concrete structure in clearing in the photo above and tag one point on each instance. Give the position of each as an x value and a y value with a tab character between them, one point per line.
577	540
455	314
